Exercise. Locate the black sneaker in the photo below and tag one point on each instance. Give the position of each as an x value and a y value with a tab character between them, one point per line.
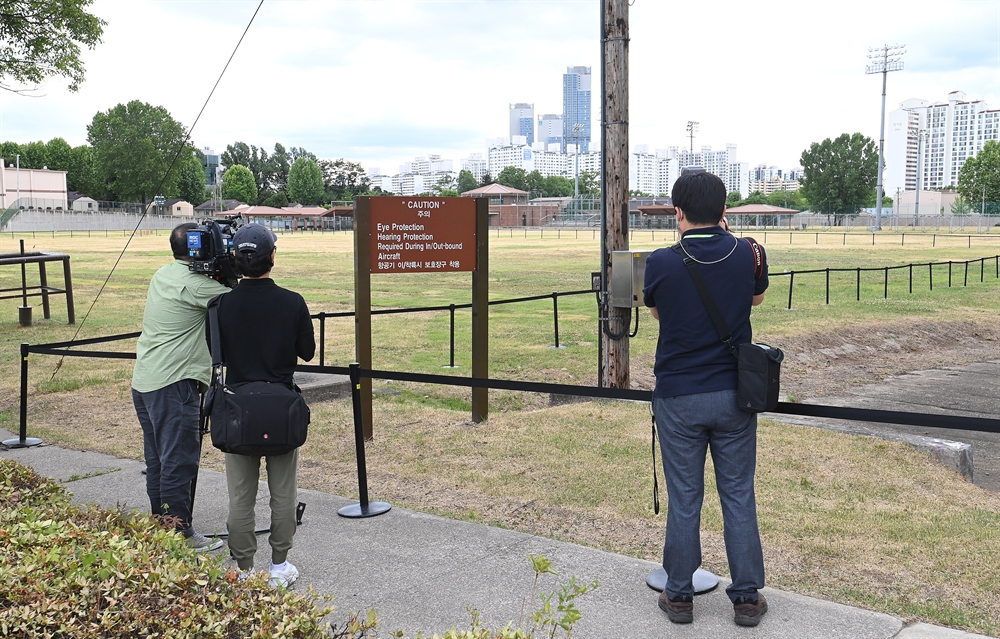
748	613
679	610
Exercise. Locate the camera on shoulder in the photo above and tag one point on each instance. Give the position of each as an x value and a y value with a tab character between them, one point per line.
210	246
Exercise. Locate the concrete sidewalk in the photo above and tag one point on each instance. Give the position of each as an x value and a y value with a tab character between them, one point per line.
421	572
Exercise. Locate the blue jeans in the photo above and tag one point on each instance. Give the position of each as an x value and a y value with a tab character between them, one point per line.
170	419
689	425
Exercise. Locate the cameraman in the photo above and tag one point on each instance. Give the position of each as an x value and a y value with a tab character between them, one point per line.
264	329
694	401
172	366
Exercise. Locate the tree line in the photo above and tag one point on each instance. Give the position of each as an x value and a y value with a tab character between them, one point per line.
135	151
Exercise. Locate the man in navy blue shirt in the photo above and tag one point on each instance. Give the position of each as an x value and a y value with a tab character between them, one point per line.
694	401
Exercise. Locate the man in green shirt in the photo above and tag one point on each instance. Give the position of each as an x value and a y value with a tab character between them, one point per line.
172	366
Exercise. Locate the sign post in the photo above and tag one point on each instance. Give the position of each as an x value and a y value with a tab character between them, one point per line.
421	235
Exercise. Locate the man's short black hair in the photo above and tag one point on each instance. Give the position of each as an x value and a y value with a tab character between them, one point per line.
702	197
179	239
254	265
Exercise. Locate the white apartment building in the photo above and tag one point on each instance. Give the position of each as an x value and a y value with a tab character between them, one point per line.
954	131
475	164
721	163
642	170
768	187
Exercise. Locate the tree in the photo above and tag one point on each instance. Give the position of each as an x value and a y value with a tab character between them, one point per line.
343	179
535	184
487	179
466	181
82	175
254	159
277	167
979	178
557	186
134	145
34	155
840	175
58	155
191	183
733	198
276	200
238	184
446	183
42	38
961	206
513	177
588	183
305	182
755	197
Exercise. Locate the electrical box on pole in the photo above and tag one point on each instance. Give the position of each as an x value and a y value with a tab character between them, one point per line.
614	321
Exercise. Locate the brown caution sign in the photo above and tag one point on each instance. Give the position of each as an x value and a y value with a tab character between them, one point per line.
422	234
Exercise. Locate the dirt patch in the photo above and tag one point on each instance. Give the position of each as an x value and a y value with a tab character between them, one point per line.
827	363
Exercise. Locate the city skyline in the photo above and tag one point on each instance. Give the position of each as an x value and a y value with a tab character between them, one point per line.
419	78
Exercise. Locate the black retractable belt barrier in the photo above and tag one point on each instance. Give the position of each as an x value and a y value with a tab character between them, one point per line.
364	508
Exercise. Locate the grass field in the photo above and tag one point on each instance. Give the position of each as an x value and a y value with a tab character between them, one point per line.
851	519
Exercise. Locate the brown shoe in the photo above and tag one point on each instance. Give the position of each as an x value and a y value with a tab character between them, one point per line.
748	613
680	610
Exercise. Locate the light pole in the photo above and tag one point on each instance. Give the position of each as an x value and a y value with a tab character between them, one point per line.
691	129
921	136
18	161
576	171
884	60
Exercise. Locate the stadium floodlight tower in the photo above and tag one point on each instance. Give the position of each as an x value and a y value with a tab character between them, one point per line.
691	129
883	60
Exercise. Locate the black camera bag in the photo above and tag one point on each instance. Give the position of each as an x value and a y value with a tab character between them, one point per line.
758	365
255	418
759	377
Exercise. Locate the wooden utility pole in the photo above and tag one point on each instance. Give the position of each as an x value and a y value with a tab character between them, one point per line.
614	187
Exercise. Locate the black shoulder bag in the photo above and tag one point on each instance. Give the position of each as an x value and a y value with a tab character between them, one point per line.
255	418
758	365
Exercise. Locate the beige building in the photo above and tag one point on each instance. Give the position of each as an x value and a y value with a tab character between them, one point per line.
36	188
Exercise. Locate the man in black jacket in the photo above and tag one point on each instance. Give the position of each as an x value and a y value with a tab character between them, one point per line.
264	330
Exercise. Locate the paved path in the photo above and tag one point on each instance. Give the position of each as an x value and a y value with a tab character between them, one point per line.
421	572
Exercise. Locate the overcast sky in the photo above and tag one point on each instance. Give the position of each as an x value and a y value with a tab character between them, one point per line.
383	81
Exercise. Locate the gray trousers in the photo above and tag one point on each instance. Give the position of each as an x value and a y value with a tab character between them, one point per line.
172	446
242	477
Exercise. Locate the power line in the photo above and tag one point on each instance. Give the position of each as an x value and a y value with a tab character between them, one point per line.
180	149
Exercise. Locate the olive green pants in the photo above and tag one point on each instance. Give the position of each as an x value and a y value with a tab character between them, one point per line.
242	478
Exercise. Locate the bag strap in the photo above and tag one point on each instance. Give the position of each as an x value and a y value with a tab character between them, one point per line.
215	338
758	257
725	335
656	487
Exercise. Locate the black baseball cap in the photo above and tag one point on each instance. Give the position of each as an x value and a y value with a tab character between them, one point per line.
254	239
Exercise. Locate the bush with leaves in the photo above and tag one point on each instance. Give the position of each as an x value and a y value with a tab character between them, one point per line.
90	573
67	571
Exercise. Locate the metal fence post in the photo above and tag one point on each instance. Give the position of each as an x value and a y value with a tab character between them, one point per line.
555	317
322	336
364	508
859	284
885	291
828	285
911	278
791	285
23	441
451	310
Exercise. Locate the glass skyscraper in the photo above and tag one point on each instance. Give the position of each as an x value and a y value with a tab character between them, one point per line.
522	121
576	108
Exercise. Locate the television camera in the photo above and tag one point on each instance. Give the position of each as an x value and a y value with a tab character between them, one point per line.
210	246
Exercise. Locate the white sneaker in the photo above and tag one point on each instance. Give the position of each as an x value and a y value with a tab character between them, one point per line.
201	543
283	575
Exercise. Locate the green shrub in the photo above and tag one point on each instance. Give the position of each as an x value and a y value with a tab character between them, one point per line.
92	573
67	571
